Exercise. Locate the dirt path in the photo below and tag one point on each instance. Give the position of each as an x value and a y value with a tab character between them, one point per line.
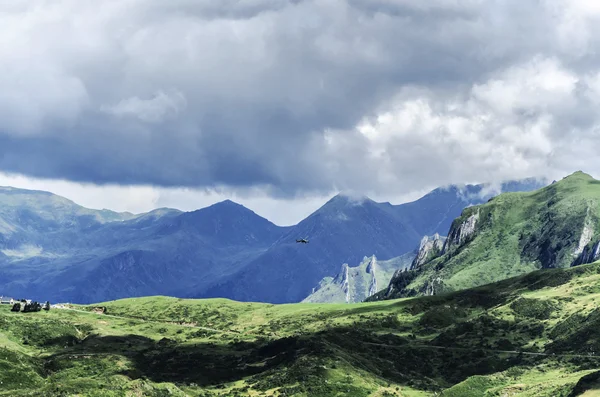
485	350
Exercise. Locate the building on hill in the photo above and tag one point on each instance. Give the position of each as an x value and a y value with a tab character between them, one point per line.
5	300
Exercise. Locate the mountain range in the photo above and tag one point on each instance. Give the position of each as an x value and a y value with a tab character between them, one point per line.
505	303
345	230
52	248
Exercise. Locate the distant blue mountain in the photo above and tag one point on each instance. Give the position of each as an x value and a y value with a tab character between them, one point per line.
52	248
434	212
64	252
345	230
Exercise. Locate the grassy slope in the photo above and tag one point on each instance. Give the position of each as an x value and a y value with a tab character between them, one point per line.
517	233
359	280
459	342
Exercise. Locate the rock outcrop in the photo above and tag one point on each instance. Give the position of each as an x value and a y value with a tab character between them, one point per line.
586	234
462	233
371	271
434	286
344	281
355	284
586	251
430	248
589	254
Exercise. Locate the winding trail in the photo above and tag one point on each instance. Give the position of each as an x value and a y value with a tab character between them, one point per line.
485	350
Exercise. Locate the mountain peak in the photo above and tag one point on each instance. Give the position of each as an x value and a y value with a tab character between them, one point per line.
350	199
343	202
225	208
227	202
578	175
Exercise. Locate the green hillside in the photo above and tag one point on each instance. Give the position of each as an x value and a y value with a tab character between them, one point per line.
355	284
512	234
534	335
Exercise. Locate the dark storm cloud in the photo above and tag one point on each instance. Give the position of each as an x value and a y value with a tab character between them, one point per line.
280	94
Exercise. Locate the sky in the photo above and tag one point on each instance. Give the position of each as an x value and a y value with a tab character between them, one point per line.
132	105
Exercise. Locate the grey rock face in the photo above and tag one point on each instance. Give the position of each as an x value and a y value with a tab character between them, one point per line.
430	248
461	234
589	254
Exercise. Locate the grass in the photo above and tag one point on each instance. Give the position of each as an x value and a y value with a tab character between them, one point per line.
477	342
517	233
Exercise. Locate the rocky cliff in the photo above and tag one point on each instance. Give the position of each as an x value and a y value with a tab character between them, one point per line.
461	232
355	284
430	248
589	254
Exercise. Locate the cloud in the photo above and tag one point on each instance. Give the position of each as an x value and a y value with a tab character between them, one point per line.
300	97
156	109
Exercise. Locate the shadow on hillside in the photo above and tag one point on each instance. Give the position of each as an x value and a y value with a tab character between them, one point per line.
292	360
462	340
588	382
204	364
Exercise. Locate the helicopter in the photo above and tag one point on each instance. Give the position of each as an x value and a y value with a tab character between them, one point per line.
302	240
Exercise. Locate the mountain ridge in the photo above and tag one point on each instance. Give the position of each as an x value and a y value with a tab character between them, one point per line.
355	284
86	255
164	250
397	232
511	234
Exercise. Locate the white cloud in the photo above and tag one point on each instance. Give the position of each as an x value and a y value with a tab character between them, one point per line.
516	124
156	109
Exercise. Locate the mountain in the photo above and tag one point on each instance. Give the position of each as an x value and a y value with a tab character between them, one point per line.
341	231
344	230
435	212
30	220
532	335
51	248
180	253
355	284
557	226
429	248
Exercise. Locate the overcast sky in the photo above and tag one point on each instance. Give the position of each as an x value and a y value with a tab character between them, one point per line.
137	104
